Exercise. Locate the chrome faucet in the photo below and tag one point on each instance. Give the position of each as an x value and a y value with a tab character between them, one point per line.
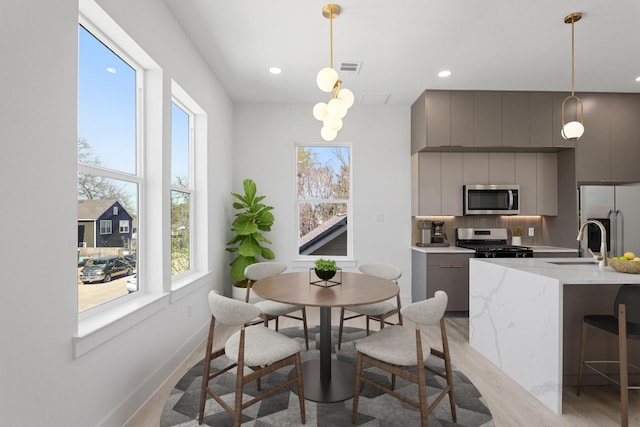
603	239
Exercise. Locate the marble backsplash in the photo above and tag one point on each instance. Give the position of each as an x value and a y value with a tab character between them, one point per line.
508	222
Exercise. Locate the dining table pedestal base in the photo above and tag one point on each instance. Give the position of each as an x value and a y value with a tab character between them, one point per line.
338	388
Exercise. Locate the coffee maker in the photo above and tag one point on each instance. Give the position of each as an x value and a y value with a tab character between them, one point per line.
437	232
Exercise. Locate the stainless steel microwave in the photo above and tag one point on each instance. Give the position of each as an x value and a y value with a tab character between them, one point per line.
491	199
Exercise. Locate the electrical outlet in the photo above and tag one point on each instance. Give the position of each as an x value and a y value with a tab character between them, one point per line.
531	233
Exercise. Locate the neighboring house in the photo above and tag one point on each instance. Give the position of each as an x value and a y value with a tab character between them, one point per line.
104	223
330	237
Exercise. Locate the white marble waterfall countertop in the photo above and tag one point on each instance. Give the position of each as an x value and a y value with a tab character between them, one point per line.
568	271
517	321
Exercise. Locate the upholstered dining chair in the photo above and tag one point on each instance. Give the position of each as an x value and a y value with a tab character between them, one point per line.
397	348
625	323
379	311
272	310
262	350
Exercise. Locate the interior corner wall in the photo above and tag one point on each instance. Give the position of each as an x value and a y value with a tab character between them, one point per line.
264	150
41	381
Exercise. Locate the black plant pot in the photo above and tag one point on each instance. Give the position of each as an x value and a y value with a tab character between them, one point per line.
324	274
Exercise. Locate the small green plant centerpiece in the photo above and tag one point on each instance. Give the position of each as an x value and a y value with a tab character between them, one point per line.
325	270
253	217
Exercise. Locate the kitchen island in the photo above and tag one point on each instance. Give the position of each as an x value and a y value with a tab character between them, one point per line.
525	316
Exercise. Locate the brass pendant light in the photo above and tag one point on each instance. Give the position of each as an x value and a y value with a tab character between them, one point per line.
340	99
573	130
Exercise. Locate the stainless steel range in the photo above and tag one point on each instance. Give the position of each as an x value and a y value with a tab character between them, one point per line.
490	243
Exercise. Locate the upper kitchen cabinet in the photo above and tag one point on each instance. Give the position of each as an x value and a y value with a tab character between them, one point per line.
431	120
516	119
593	149
625	136
540	119
487	119
462	118
436	184
610	147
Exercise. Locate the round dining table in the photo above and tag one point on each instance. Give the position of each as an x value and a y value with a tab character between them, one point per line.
326	379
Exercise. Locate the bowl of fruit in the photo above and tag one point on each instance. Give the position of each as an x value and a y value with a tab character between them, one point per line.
629	263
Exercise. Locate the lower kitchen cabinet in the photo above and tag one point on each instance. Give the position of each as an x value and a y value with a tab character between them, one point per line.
441	271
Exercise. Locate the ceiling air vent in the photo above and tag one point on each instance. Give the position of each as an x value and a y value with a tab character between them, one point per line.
350	67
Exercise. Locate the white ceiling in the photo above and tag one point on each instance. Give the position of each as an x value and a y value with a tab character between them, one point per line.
488	45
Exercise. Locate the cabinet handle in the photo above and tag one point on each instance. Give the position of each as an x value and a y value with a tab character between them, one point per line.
457	266
446	266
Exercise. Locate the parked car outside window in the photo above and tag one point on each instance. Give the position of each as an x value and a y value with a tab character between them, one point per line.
104	269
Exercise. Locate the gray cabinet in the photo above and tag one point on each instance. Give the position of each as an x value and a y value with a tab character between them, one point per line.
546	184
610	147
593	149
462	119
487	119
515	119
625	137
540	254
540	119
526	177
431	121
449	273
437	180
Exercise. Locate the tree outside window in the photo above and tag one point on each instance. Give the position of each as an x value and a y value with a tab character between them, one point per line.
323	178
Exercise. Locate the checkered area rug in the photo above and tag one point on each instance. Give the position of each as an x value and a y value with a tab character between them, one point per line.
374	409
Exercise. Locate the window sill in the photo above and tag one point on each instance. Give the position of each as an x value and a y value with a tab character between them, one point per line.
95	330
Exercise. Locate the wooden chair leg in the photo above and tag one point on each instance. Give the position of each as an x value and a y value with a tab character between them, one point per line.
341	326
448	370
624	374
422	382
356	389
583	343
367	325
205	374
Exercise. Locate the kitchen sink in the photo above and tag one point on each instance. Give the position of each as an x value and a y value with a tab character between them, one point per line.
573	262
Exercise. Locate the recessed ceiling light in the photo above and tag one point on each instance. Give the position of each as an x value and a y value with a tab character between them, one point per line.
638	79
444	73
275	70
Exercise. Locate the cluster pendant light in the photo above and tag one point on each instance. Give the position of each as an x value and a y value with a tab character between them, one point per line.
340	100
573	130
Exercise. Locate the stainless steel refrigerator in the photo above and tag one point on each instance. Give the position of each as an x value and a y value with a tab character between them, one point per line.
618	208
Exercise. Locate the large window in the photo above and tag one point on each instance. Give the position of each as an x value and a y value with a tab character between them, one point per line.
109	177
181	187
323	178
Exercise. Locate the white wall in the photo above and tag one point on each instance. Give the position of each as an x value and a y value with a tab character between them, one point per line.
41	382
264	141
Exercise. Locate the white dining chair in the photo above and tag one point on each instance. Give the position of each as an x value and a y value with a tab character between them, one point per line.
272	310
379	311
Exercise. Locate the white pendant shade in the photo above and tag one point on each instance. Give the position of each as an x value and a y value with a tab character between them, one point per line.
347	96
572	131
320	111
328	134
326	79
337	108
332	123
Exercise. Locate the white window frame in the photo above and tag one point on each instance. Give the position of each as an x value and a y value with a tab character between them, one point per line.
123	226
307	260
181	99
106	226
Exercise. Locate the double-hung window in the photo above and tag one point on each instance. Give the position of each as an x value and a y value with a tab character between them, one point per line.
109	172
182	123
323	186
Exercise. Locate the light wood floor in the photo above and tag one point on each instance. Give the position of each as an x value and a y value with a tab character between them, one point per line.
510	404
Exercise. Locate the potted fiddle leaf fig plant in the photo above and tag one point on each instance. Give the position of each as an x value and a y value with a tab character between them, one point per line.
252	219
325	268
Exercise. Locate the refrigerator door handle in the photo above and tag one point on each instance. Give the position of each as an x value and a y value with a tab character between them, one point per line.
621	234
